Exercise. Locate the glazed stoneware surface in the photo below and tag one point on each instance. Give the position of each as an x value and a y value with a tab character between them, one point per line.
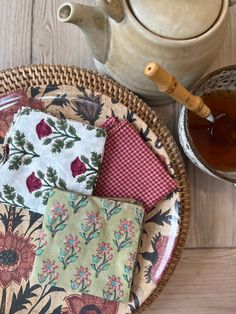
186	59
19	236
223	79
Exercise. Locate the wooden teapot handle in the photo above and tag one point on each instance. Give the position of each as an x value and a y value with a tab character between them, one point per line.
168	84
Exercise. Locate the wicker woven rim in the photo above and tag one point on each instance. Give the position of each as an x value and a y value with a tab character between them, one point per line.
36	75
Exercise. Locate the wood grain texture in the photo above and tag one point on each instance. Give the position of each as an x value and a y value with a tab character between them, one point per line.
54	42
203	283
213	201
15	32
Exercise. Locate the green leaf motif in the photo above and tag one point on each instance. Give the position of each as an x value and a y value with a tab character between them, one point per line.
105	267
40	174
94	259
85	228
126	245
57	146
27	111
95	235
63	252
96	159
49	228
19	138
117	235
117	210
50	221
100	133
52	175
62	125
74	285
82	235
47	141
27	161
14	163
9	192
61	259
62	184
51	122
20	199
72	130
39	252
61	227
69	144
84	159
81	179
45	198
91	182
30	146
72	259
38	194
127	269
93	266
115	242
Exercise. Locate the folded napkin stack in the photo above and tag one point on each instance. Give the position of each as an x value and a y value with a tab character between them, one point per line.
53	166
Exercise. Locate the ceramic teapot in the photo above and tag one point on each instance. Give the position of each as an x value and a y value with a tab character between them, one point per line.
183	36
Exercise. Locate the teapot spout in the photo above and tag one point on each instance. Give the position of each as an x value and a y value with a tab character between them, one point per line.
93	23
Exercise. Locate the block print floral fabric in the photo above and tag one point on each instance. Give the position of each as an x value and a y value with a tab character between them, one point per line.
130	169
42	152
10	104
88	245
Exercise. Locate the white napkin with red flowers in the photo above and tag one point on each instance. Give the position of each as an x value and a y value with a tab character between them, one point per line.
42	152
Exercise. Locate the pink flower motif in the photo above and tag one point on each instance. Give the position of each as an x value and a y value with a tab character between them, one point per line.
54	275
71	242
110	257
59	210
77	167
125	226
104	248
114	283
82	274
94	218
42	236
132	258
33	183
49	267
43	129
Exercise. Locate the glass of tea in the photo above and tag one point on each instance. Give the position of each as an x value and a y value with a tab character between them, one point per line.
212	146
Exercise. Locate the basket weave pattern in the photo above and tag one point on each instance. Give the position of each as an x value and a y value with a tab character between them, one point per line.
36	75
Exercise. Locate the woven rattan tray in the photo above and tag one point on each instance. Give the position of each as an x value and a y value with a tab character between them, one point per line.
23	78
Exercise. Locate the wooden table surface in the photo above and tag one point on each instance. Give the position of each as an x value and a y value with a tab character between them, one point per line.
205	279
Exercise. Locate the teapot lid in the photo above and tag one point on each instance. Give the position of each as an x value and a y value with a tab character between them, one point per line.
176	19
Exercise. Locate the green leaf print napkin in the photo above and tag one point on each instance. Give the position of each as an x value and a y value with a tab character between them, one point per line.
88	245
43	152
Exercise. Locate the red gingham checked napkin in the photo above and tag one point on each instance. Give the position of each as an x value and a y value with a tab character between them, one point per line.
130	169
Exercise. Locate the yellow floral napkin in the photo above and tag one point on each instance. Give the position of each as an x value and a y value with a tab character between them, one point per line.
89	245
